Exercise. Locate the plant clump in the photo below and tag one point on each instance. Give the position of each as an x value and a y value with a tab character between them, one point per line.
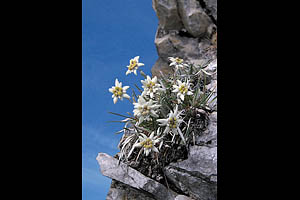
167	114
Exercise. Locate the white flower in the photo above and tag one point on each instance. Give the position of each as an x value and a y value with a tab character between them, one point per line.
151	86
177	62
172	123
134	65
182	89
118	91
147	143
144	109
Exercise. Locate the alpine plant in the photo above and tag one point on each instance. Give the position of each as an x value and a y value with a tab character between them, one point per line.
162	109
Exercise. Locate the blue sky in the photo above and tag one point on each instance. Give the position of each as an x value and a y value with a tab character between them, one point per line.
112	33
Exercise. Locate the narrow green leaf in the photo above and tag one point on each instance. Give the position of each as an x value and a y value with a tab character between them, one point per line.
138	88
120	115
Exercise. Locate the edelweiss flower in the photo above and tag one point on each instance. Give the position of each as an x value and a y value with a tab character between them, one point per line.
150	86
119	91
172	123
182	89
134	65
148	143
177	62
144	109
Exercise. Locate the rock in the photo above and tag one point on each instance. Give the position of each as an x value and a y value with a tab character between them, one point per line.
167	13
195	187
129	176
182	197
201	162
209	136
211	5
207	50
163	66
194	18
173	45
119	191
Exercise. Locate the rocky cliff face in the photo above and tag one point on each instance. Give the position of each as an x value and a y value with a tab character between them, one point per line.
187	29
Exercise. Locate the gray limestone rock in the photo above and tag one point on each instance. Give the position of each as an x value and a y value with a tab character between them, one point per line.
209	136
194	18
167	13
161	66
182	197
195	187
129	176
202	161
211	5
173	45
197	175
119	191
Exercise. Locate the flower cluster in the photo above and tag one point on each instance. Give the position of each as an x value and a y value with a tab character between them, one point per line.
162	109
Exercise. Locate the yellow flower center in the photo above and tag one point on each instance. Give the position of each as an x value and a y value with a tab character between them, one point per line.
178	60
118	91
183	89
150	85
144	110
132	65
173	122
147	143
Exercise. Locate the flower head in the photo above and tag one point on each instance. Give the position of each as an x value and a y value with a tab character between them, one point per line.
151	86
118	91
147	143
177	62
134	65
172	123
144	109
182	89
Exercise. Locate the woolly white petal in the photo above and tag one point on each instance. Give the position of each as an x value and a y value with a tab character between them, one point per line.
138	145
167	130
155	149
116	82
176	109
125	88
163	121
141	119
152	135
115	100
161	143
140	64
147	151
126	96
154	79
111	90
181	135
175	90
151	94
173	63
182	97
135	72
145	137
